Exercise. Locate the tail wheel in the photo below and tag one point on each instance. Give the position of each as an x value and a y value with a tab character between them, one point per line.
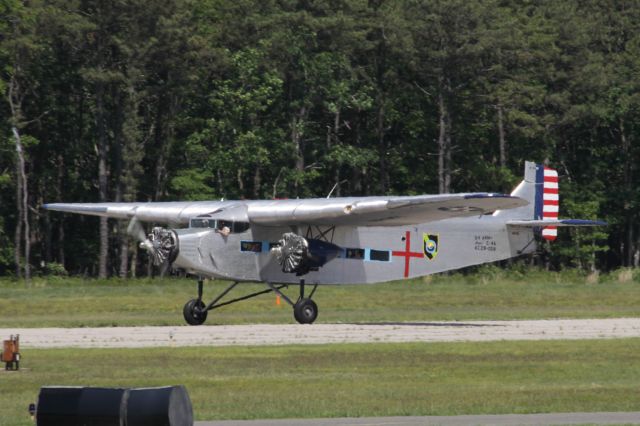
194	312
305	311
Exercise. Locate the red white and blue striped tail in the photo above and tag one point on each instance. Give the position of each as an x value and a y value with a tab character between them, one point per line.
540	188
550	201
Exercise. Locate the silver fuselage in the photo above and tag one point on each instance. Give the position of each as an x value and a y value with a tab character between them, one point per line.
370	254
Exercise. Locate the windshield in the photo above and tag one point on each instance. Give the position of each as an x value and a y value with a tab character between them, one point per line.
219	224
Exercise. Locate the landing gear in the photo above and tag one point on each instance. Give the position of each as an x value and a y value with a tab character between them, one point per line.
305	310
194	312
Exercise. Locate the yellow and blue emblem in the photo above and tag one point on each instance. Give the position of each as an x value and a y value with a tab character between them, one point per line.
430	245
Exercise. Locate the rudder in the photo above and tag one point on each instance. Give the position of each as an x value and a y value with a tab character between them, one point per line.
540	189
547	203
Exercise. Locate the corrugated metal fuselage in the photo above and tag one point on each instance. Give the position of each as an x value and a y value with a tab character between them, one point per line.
368	254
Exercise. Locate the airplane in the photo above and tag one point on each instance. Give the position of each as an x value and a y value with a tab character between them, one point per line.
348	240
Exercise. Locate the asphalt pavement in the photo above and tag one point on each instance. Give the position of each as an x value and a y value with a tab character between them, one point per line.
501	419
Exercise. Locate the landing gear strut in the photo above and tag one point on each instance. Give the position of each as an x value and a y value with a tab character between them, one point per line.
305	310
194	311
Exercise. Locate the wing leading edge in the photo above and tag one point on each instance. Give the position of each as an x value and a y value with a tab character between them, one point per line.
178	212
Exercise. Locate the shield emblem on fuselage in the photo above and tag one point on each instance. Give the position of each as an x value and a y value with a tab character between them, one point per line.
430	245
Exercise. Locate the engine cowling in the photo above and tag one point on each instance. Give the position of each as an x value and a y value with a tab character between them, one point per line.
300	255
162	245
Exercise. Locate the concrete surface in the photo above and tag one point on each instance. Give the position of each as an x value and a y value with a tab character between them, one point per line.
286	334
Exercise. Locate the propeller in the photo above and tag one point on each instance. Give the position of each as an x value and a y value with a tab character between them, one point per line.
136	230
161	243
291	252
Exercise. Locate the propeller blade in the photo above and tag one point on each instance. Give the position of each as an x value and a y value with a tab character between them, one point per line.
136	230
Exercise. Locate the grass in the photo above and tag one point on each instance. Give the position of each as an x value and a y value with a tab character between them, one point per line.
489	294
351	380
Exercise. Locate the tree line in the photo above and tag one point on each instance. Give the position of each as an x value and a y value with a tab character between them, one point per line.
150	100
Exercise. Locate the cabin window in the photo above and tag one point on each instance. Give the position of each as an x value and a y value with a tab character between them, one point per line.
380	255
354	253
253	246
239	227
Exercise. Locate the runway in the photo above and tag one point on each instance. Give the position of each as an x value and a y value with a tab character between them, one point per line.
287	334
502	419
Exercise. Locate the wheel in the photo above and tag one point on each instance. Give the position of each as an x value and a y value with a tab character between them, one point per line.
193	316
305	311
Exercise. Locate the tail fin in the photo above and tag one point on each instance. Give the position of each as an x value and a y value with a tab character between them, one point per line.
528	189
547	199
540	188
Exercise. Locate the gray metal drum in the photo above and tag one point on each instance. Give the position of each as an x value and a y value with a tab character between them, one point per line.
81	406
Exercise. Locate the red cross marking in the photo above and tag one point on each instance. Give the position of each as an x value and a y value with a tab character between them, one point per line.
407	253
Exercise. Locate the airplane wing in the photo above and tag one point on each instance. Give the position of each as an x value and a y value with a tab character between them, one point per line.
178	212
379	211
362	211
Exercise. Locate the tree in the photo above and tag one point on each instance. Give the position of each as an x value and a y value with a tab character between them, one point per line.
21	48
448	60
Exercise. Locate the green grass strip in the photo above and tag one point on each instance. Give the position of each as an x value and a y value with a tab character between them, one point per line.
351	380
490	294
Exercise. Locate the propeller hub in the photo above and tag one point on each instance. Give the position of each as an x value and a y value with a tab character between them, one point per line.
162	245
299	255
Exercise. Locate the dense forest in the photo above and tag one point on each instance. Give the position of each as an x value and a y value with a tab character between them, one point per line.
145	100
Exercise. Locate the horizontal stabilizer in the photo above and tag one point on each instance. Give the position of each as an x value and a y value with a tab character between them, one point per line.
556	222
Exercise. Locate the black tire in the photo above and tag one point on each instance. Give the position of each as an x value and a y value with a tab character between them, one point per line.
193	316
305	311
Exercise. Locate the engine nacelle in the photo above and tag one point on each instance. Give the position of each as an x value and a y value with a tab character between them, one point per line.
162	245
300	255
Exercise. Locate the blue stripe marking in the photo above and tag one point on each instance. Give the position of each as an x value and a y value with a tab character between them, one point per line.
537	212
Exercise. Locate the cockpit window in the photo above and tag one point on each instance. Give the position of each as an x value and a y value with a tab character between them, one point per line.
220	224
203	223
224	224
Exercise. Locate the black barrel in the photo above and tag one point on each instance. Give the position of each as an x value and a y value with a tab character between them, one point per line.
79	406
168	406
83	406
